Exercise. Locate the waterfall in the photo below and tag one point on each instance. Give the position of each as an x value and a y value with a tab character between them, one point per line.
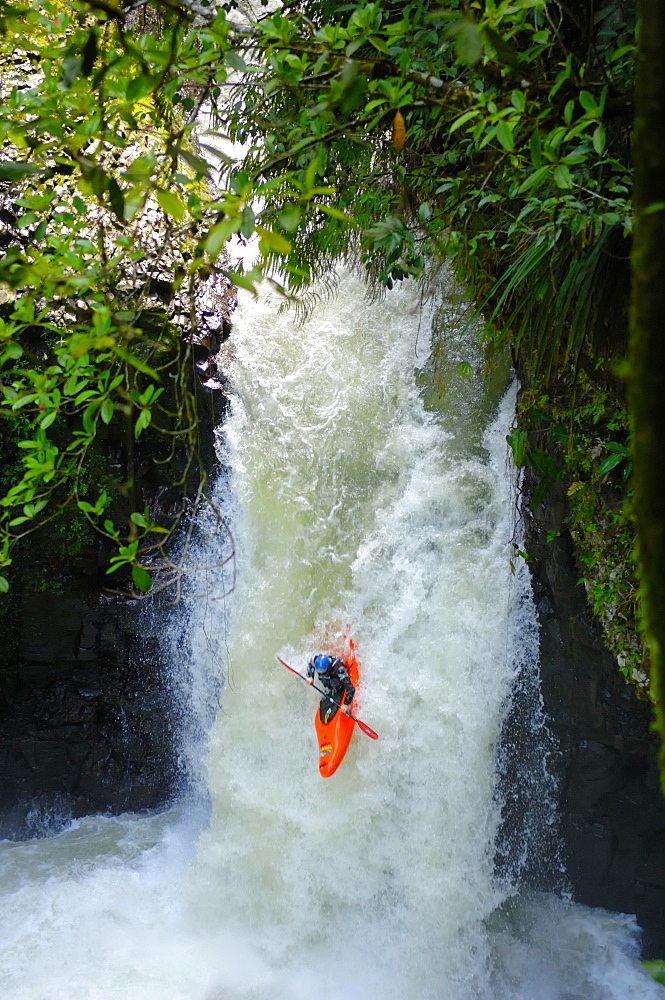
353	507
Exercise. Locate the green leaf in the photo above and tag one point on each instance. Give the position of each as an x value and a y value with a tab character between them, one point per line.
13	350
73	385
562	76
135	361
378	44
4	585
518	100
235	61
141	578
96	179
195	162
276	242
505	136
247	281
92	125
336	213
134	201
353	47
88	418
140	86
24	400
543	464
377	102
562	176
588	102
620	52
106	412
462	120
655	206
116	199
142	421
598	139
534	179
535	148
518	443
82	396
71	69
48	419
289	217
171	204
219	234
15	171
610	462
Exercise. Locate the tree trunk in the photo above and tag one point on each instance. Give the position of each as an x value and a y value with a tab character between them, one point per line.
647	338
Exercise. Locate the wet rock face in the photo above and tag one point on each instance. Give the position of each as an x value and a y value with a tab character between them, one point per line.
87	721
612	811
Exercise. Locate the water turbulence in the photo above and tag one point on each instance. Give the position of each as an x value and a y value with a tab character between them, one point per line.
354	509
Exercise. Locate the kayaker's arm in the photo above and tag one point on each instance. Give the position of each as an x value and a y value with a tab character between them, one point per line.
343	675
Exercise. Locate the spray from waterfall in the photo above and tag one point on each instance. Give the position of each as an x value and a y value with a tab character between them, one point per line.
352	502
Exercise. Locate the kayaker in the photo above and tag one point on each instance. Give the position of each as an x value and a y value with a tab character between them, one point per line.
335	677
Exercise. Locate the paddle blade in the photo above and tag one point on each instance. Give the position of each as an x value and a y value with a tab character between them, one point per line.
365	728
292	669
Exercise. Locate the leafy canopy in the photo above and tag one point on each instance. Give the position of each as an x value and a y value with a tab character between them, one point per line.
381	133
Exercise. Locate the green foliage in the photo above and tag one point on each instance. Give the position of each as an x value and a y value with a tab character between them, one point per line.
646	353
656	970
103	192
515	157
597	467
515	161
537	459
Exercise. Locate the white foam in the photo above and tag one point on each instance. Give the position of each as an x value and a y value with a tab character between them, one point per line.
352	505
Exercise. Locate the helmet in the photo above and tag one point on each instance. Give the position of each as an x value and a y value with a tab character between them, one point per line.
321	663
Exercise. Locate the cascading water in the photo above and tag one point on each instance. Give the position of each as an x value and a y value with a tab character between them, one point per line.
353	506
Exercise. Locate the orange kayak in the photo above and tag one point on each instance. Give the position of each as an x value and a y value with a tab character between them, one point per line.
334	729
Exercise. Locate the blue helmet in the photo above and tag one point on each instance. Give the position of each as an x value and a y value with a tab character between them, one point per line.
321	663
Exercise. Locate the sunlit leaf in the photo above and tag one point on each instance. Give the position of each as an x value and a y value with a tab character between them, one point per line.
276	242
141	578
171	204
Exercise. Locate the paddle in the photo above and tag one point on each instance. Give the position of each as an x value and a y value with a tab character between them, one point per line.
361	725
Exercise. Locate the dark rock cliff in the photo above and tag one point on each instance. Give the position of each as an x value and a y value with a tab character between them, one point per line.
612	812
88	720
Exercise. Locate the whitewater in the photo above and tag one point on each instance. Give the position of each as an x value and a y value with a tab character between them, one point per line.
354	508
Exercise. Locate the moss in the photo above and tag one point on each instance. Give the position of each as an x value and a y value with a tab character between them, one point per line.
584	428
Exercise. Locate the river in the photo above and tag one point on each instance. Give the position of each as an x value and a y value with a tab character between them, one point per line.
354	508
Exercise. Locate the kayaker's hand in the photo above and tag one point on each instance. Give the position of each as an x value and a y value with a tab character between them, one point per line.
310	680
